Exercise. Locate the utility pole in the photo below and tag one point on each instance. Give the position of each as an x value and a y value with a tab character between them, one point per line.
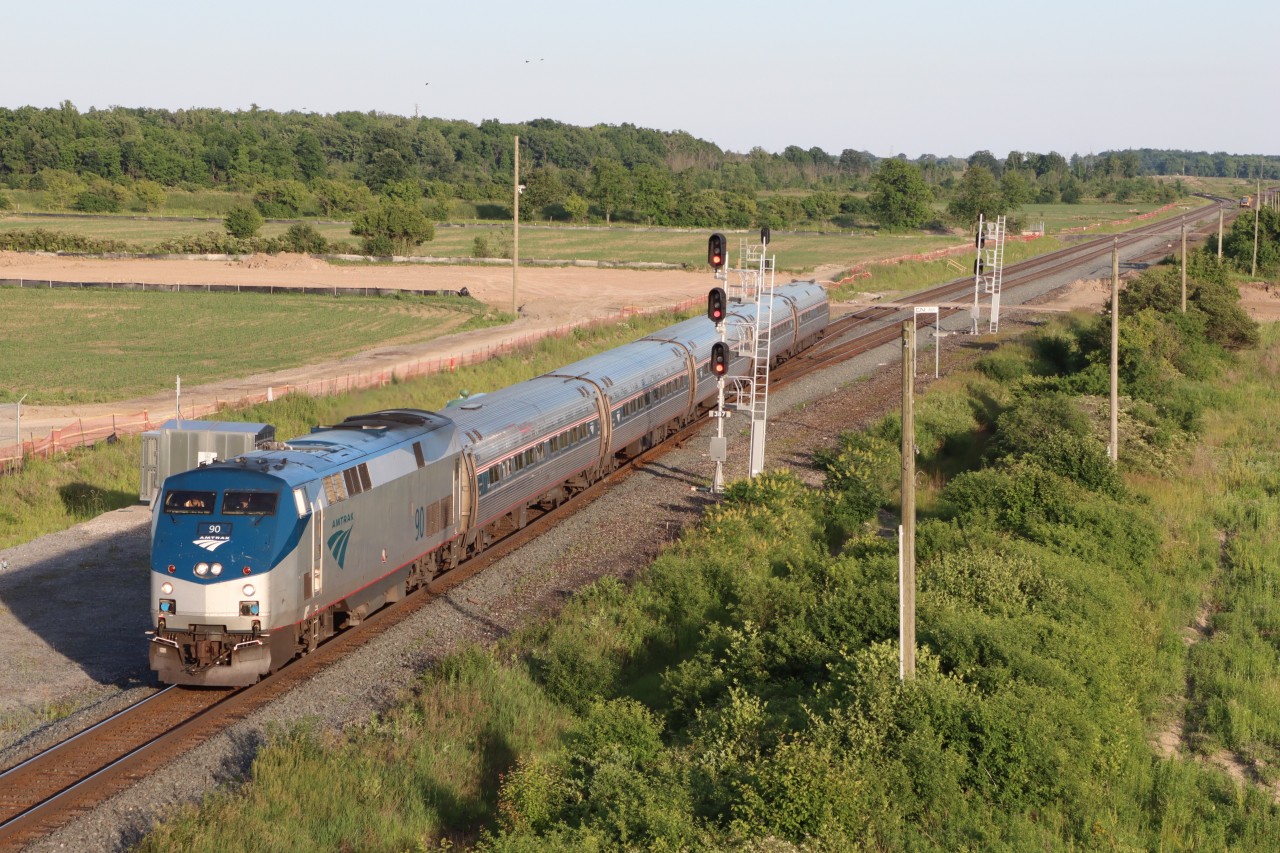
1220	214
1184	267
18	417
1257	206
515	243
907	536
1113	449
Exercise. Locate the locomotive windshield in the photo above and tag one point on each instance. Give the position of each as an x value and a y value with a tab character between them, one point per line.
189	502
249	503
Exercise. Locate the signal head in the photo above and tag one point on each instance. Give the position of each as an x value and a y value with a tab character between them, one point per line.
717	305
716	251
719	359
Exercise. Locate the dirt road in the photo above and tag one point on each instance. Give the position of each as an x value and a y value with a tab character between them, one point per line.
547	298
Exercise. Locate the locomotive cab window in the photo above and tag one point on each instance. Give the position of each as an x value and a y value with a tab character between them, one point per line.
249	503
189	502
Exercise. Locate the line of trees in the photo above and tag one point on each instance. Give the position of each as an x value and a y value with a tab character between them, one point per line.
339	166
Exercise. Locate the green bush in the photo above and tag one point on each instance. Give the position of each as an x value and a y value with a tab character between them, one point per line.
303	237
859	474
211	243
242	222
43	240
91	201
1054	431
1004	365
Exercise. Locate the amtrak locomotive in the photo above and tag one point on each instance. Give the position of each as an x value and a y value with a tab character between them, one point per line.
259	558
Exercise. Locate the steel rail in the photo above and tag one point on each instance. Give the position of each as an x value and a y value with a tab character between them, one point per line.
46	791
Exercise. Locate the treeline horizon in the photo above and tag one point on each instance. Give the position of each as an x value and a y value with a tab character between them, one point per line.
298	164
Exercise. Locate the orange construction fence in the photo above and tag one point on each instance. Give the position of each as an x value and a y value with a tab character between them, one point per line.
84	432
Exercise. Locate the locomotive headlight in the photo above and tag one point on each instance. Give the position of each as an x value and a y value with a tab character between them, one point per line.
215	569
202	569
248	590
166	588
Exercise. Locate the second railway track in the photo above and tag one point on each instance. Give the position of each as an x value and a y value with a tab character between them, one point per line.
54	787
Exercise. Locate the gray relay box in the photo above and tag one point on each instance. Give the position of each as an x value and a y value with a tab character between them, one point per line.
182	445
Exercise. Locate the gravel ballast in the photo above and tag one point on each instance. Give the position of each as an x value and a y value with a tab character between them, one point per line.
60	592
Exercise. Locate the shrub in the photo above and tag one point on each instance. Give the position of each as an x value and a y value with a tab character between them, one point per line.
859	475
148	195
1055	431
304	238
42	240
280	199
210	243
242	222
92	201
1003	365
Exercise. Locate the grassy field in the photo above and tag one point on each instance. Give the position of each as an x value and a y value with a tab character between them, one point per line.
796	251
51	495
1097	216
62	346
744	693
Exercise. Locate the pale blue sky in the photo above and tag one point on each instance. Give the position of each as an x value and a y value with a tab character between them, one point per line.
909	76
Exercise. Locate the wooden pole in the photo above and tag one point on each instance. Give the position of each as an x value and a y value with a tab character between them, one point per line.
907	558
515	246
1113	449
1257	206
1184	267
1220	214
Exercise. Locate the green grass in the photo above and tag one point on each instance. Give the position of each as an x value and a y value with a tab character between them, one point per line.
1097	216
893	279
48	495
394	785
797	252
52	495
64	346
746	686
1234	673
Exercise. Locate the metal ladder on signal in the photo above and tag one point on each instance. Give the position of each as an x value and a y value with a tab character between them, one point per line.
760	362
989	270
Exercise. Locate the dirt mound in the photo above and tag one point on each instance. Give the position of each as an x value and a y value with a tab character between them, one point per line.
282	261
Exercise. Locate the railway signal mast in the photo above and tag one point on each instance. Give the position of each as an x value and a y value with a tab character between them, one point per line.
757	276
988	270
717	310
754	283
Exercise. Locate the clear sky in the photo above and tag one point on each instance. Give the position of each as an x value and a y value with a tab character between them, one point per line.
903	76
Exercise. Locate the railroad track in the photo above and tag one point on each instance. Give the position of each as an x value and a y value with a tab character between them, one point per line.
49	790
881	323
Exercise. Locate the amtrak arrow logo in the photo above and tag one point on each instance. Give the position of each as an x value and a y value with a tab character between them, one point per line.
211	543
338	545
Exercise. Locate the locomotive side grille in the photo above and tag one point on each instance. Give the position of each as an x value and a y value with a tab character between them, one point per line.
335	488
440	515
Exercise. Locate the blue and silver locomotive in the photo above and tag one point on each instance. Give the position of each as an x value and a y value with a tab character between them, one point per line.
259	558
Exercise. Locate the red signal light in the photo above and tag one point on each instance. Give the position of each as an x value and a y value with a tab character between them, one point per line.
716	251
717	305
719	358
